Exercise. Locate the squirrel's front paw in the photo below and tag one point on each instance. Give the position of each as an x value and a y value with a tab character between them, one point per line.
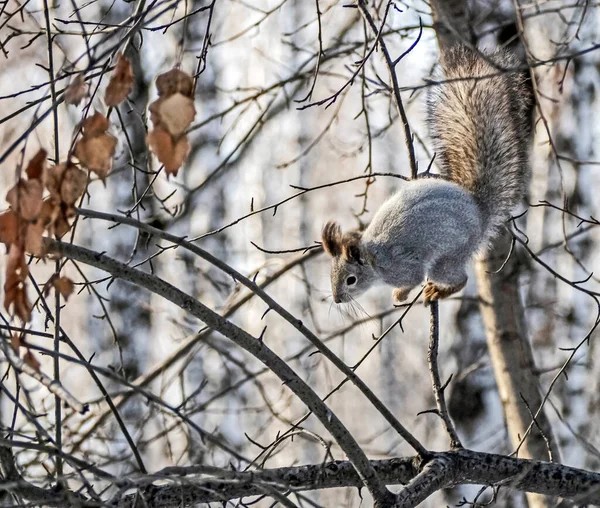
431	293
400	294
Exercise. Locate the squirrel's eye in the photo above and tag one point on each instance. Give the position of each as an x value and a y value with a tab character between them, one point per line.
351	280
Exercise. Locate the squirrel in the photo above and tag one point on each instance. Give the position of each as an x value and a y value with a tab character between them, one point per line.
433	227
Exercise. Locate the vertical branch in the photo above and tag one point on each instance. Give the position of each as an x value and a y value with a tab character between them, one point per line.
57	402
438	388
391	66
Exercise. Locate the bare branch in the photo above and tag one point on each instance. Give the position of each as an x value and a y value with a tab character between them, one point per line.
54	386
438	389
240	337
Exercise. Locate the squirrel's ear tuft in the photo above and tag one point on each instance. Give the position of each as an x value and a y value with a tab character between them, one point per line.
331	236
350	247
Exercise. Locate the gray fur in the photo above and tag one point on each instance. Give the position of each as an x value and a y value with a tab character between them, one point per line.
432	228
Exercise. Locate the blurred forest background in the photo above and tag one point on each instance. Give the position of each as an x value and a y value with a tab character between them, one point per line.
291	120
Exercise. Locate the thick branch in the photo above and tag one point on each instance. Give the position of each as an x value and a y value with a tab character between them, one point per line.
445	469
244	340
183	350
511	353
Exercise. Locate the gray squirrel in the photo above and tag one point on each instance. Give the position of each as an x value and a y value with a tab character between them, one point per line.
433	227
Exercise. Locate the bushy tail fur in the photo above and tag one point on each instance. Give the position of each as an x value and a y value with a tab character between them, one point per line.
480	128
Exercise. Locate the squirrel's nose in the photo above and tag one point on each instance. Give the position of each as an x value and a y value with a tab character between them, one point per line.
336	298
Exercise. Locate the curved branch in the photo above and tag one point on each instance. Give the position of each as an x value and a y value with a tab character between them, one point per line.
272	304
244	340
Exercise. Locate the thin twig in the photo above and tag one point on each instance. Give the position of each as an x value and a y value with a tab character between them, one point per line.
438	389
391	66
53	386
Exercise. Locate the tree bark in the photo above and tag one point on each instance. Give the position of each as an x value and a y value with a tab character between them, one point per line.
512	358
189	486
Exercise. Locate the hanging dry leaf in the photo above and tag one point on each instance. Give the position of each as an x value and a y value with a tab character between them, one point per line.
64	286
34	243
62	225
175	81
49	213
94	125
15	293
175	113
97	153
96	148
37	166
76	91
25	198
9	224
121	82
31	360
66	183
170	153
171	114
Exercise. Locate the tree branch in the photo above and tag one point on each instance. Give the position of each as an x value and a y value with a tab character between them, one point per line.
276	307
445	469
52	385
391	66
438	389
244	340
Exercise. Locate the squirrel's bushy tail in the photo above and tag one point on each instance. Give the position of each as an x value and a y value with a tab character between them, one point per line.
480	128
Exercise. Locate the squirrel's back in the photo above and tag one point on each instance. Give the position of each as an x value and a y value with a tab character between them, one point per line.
478	119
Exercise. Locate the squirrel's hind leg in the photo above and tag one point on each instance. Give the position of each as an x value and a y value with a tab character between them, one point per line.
446	277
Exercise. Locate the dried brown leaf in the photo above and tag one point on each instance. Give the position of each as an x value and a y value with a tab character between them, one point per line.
31	360
121	82
9	227
62	225
96	153
96	148
64	286
175	81
49	213
66	183
76	91
15	341
25	198
175	113
34	243
15	293
94	125
37	165
169	152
